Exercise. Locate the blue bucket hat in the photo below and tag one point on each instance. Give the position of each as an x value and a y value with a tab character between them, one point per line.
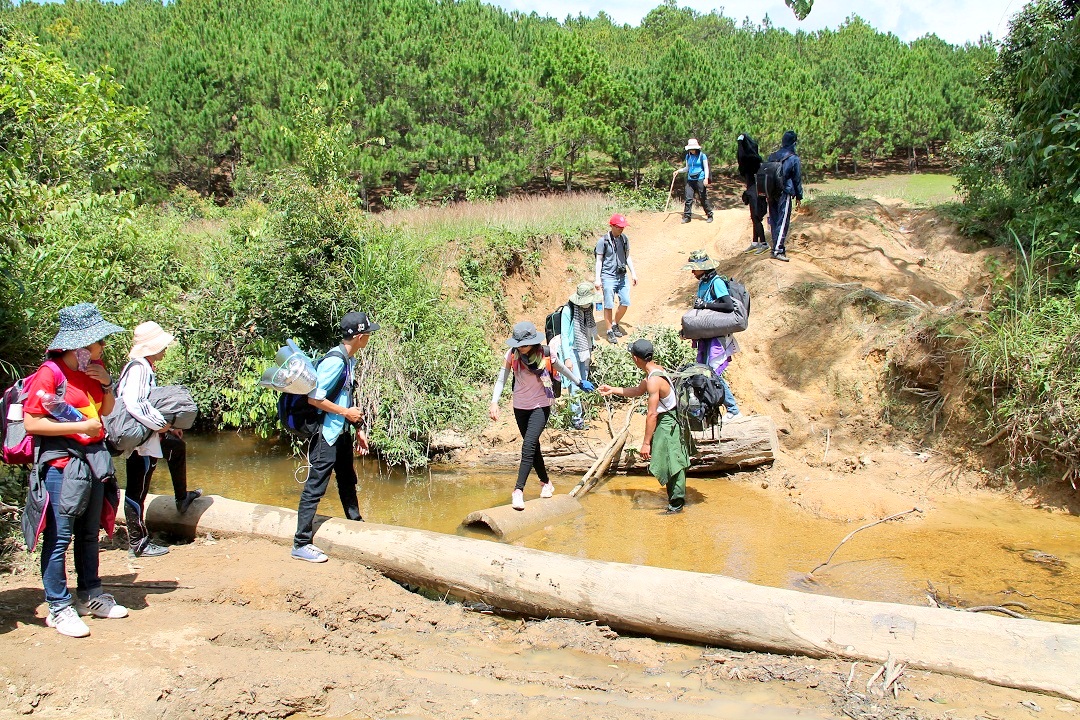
81	325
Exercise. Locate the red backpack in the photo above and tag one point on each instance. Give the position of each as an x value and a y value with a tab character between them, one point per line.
18	447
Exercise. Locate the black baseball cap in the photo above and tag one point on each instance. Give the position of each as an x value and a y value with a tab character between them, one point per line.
642	349
357	323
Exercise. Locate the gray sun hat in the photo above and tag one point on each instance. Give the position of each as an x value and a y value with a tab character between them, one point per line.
81	325
700	260
585	295
524	333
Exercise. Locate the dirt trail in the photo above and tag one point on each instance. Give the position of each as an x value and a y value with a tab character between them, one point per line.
234	629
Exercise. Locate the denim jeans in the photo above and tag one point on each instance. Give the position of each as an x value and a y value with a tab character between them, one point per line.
326	458
59	532
583	373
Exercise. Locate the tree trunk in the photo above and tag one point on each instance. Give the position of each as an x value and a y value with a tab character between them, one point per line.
695	607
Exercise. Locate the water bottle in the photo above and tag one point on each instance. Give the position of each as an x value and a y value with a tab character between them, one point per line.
58	408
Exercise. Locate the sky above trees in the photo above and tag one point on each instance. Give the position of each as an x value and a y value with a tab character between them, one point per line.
955	21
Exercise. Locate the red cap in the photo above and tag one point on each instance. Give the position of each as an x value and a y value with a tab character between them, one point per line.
618	221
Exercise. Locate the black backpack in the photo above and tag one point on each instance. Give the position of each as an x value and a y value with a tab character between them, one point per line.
553	323
770	179
297	415
699	397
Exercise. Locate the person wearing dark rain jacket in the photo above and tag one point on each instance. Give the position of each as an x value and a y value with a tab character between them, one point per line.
749	160
697	180
780	208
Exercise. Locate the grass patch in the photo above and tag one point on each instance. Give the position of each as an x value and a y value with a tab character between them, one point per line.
915	188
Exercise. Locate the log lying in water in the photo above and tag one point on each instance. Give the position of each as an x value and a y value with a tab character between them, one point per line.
741	444
708	609
509	524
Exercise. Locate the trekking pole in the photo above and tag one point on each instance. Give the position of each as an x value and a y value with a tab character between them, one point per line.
670	190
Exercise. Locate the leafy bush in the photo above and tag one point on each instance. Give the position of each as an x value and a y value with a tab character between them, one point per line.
613	364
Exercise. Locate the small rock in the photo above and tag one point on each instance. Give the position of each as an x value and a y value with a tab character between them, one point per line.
790	485
1030	705
784	407
865	461
764	484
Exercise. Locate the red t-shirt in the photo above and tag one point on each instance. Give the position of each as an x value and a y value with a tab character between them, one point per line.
83	393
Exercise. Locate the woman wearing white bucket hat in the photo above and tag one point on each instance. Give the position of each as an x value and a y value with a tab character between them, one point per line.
136	382
697	180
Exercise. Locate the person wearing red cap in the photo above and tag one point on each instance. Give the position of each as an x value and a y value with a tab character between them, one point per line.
613	263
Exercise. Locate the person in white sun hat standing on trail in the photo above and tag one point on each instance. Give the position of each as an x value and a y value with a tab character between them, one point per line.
697	180
613	264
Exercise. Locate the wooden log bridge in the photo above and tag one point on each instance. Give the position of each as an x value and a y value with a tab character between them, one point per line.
740	445
708	609
509	524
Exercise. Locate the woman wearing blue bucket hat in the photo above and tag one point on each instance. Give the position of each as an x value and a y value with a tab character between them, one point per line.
73	491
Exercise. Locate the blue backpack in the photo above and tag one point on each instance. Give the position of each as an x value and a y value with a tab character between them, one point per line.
299	417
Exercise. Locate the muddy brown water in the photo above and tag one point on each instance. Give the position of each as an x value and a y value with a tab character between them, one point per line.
983	551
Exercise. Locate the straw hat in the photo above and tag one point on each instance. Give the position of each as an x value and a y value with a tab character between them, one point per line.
693	144
700	260
149	339
81	325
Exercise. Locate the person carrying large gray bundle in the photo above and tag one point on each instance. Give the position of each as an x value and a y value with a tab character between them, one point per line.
158	416
715	349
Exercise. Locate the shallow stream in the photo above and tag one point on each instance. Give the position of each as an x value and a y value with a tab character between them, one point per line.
983	551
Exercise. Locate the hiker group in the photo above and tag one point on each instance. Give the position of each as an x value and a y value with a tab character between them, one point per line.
72	416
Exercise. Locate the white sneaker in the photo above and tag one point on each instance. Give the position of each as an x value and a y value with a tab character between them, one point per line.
67	622
102	606
547	490
517	500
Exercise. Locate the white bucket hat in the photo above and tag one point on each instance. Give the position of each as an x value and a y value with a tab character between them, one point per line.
693	144
149	339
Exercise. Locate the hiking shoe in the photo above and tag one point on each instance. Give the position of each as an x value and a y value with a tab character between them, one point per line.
782	257
708	219
618	330
67	622
686	220
577	424
612	337
762	249
753	248
148	550
673	510
102	606
183	505
310	553
547	490
517	500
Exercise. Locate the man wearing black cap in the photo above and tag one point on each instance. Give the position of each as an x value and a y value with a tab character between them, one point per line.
663	445
331	449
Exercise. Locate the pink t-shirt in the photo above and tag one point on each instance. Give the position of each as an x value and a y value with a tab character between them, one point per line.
529	392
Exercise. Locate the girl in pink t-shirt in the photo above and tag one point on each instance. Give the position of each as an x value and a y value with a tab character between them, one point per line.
532	364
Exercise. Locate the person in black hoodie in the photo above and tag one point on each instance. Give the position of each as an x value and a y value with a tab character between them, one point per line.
749	160
780	207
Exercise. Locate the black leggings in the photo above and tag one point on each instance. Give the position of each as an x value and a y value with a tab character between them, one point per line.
530	424
140	469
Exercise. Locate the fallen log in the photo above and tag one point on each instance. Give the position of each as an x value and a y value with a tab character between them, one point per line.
510	524
740	445
702	608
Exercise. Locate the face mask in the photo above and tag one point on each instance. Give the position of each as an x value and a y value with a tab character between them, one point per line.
82	358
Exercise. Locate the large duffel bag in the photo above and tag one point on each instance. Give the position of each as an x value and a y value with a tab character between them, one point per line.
702	324
124	433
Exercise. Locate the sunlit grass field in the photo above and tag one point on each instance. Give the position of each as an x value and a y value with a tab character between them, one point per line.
916	188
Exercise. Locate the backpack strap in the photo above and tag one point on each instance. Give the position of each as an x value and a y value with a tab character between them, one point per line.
335	389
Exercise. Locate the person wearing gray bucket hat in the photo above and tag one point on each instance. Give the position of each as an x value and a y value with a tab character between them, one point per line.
136	383
533	365
664	444
73	492
577	333
331	448
713	294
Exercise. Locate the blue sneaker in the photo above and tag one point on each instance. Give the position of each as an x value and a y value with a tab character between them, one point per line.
310	553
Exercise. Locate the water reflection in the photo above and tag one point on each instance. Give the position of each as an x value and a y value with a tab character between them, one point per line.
970	550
